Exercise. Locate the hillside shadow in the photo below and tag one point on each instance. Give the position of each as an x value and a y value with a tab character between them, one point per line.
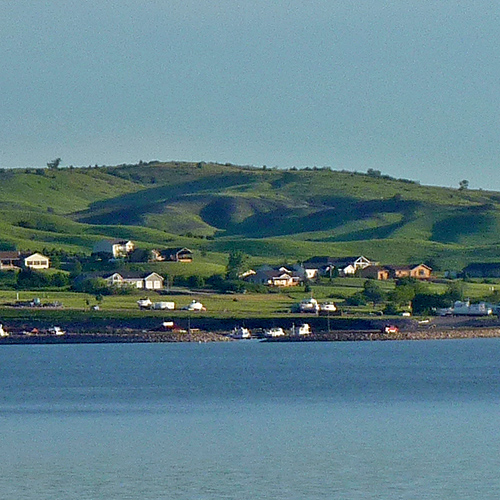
291	220
469	222
131	208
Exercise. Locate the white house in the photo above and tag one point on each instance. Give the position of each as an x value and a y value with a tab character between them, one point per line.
117	248
349	265
36	261
147	281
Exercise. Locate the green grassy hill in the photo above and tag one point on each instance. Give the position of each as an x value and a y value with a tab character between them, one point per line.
270	214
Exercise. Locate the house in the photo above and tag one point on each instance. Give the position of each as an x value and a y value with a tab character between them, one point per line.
147	281
345	266
116	248
180	254
482	270
420	271
311	271
276	277
36	261
10	260
374	272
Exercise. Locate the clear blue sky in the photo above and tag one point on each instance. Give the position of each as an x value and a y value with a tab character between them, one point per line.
407	87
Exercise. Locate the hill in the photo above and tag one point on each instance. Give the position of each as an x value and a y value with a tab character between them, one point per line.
268	213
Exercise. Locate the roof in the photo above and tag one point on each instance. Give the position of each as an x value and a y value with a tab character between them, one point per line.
36	254
335	261
175	250
119	241
123	274
10	254
377	268
133	274
408	267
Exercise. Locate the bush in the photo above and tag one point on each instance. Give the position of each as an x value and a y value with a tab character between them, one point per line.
391	309
196	281
424	303
27	279
358	299
95	286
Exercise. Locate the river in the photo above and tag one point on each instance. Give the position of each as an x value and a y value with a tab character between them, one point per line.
251	420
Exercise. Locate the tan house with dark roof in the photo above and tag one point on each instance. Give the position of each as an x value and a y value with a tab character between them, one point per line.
420	271
374	272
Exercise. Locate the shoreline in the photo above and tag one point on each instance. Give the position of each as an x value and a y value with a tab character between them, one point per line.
141	336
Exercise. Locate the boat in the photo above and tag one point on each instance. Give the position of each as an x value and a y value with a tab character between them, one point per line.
275	332
241	333
309	306
195	306
327	308
3	333
56	330
465	308
144	303
468	309
303	329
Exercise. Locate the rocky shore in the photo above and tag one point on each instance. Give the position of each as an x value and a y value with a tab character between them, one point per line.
115	337
127	335
428	334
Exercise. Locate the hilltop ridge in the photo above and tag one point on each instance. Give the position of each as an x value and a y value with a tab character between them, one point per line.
269	213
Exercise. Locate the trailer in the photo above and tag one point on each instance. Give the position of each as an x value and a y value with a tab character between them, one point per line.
162	306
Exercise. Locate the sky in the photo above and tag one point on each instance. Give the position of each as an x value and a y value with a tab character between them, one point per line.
411	88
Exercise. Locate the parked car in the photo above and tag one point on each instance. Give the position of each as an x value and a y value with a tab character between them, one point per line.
390	329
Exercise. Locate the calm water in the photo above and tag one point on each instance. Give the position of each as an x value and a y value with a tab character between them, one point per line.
245	420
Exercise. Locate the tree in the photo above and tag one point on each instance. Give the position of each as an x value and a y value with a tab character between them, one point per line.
373	292
59	279
455	291
28	278
402	295
424	303
236	264
54	164
462	185
76	268
195	281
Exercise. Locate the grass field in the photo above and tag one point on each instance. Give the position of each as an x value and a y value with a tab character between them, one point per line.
238	306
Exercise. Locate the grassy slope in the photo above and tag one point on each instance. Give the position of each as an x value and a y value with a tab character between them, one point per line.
270	214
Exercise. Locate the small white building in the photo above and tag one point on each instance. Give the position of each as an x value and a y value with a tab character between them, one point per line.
117	248
37	261
147	281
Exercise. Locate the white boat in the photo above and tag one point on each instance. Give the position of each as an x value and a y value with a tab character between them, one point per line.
327	307
304	329
275	332
309	306
56	330
241	333
468	309
3	333
144	303
195	306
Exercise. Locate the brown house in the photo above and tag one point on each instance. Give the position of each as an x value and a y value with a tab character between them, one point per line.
10	260
420	271
374	272
173	254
